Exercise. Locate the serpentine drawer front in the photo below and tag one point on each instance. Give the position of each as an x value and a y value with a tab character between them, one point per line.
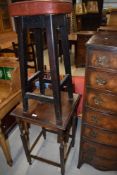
99	150
102	59
98	162
99	135
98	119
102	101
98	145
102	80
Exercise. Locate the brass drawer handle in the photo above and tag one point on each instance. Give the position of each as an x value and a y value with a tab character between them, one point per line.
102	60
93	134
100	81
94	119
97	100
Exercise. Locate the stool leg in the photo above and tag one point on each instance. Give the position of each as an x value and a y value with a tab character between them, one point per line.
54	65
62	162
34	57
74	127
65	49
22	46
44	133
40	58
24	141
26	128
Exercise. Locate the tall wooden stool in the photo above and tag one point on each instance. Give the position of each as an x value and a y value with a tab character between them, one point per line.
53	110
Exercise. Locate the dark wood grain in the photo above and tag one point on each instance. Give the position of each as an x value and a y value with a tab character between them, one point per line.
101	120
102	101
99	135
103	59
102	80
99	150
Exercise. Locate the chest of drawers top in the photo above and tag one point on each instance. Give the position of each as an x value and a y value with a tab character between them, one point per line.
102	51
103	40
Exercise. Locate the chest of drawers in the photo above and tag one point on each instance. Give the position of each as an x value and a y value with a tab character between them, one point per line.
98	145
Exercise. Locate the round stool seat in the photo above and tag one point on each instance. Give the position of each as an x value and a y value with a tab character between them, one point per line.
40	7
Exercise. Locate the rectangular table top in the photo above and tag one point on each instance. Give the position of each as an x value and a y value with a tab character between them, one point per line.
43	114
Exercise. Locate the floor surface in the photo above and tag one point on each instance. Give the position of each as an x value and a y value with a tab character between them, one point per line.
49	149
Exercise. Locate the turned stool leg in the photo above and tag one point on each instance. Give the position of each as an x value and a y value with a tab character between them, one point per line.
5	147
38	38
54	65
44	132
74	128
22	44
25	141
62	162
65	49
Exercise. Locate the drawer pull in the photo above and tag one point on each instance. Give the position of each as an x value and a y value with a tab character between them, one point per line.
102	60
93	134
97	101
100	81
94	119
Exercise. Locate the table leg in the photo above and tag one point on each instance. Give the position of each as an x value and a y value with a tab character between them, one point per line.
5	147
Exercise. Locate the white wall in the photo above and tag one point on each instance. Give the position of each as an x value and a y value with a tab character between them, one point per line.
110	5
107	3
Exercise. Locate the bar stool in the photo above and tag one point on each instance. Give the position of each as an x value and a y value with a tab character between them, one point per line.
53	110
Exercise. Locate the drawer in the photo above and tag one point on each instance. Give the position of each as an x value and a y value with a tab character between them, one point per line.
98	163
102	80
99	135
102	59
98	150
102	101
101	120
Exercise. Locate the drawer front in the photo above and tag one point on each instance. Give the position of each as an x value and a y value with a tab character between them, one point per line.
97	162
102	80
98	119
101	101
102	59
100	136
99	150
